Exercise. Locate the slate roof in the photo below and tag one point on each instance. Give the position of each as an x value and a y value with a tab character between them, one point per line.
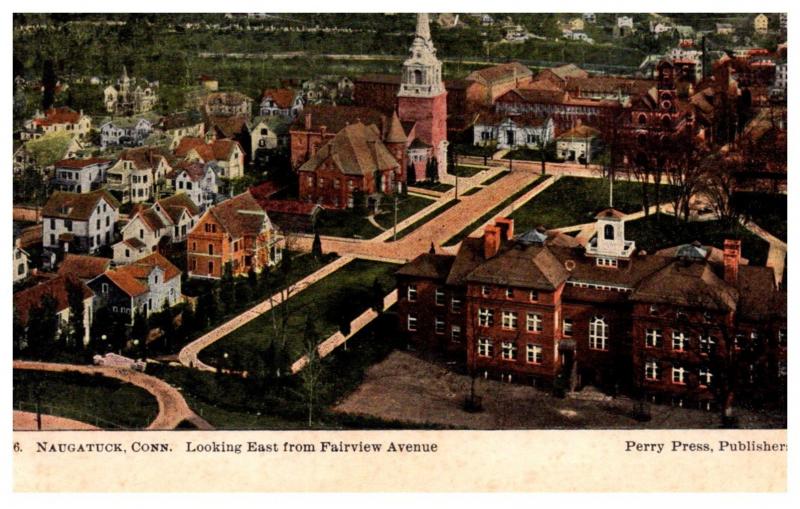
355	150
76	206
428	265
693	284
521	266
240	216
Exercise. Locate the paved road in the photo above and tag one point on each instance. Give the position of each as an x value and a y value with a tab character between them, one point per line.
172	408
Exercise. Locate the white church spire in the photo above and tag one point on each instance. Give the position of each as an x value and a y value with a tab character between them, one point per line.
423	27
422	71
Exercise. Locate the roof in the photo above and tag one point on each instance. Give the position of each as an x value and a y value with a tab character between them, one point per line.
178	120
498	73
336	118
132	278
194	169
525	120
151	219
60	115
608	84
57	288
78	206
355	150
608	213
283	97
227	98
568	71
240	216
228	126
83	266
396	133
518	265
174	206
687	283
144	157
295	207
76	164
217	150
580	132
428	265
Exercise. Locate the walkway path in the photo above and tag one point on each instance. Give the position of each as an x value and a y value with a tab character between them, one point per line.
188	354
777	249
172	408
26	421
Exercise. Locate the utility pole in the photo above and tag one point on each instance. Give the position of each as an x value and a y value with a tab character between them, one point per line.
456	185
395	218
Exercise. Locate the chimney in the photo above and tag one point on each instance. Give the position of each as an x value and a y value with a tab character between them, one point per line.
506	226
491	241
731	254
308	121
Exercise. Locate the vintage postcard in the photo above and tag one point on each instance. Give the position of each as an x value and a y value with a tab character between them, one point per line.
528	251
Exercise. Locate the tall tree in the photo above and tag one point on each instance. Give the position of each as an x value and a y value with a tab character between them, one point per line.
77	325
49	83
312	372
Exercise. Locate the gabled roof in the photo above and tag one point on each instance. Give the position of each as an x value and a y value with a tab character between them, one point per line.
176	204
336	118
77	206
77	164
428	265
60	115
194	170
227	126
522	266
686	283
217	150
144	157
56	287
355	150
83	266
580	132
283	97
132	278
568	71
501	72
240	216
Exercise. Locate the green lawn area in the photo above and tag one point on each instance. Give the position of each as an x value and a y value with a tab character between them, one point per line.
652	234
576	200
427	217
433	186
97	400
455	239
346	223
497	177
767	210
467	171
339	297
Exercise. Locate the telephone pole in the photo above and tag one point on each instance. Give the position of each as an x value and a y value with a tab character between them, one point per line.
394	236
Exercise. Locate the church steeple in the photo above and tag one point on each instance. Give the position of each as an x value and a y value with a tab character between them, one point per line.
422	71
423	27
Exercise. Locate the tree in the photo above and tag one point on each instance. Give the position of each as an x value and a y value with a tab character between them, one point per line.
227	288
42	327
140	328
432	170
376	296
19	333
411	174
316	247
49	83
77	325
312	372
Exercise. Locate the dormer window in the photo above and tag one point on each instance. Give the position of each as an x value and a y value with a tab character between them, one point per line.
608	232
509	293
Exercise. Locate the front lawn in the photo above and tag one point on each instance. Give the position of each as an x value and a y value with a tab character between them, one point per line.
467	171
332	301
97	400
439	187
767	210
349	224
576	200
407	206
654	233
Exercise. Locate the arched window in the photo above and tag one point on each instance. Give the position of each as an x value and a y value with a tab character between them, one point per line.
642	119
598	333
666	122
418	77
608	232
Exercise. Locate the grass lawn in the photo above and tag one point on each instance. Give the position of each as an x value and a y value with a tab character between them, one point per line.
471	191
652	234
455	239
433	186
96	400
767	210
497	177
576	200
346	223
427	217
340	296
467	171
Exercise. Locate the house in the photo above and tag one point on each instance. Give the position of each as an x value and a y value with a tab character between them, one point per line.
138	174
558	75
625	23
126	131
513	131
580	144
21	261
227	104
83	267
535	308
57	288
130	96
179	125
356	160
345	88
724	29
79	222
576	24
80	175
660	27
168	220
236	231
198	180
227	154
57	120
589	17
761	24
43	152
146	286
268	133
491	82
281	102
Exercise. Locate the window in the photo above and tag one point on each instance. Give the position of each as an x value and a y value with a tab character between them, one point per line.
484	347
509	320
509	293
412	323
652	371
210	267
653	309
439	298
533	323
707	343
606	262
104	288
485	317
653	338
679	341
567	327
68	224
439	326
533	295
598	333
210	249
705	377
533	354
508	351
678	375
411	293
608	232
455	305
455	333
485	291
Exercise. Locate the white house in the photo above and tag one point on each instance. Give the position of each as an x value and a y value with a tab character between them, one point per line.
21	262
57	120
80	175
135	176
197	180
227	154
79	222
513	131
281	102
127	132
580	144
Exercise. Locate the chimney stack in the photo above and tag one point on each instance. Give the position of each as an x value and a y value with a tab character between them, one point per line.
506	226
491	241
731	254
308	121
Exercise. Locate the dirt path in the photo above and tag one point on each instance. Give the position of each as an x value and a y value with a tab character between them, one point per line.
172	408
26	421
